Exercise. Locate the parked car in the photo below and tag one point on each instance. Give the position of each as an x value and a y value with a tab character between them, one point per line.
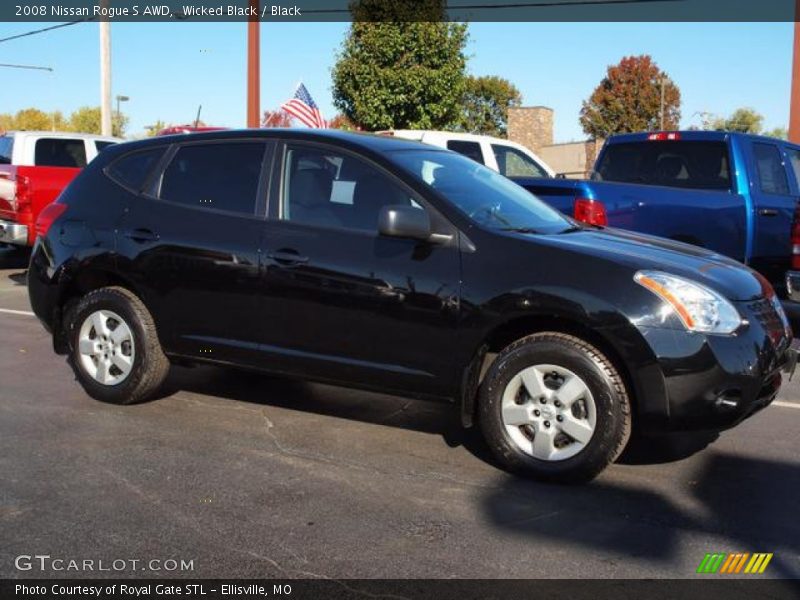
35	166
385	264
732	193
506	157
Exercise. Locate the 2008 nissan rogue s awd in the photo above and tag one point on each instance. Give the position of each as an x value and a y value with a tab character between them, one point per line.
387	265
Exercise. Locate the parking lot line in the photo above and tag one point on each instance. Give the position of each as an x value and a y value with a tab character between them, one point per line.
783	404
10	311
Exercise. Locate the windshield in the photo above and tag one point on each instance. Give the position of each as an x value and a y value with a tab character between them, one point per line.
482	194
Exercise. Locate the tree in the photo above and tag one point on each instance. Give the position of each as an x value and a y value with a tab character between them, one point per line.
485	105
33	119
629	99
743	120
87	119
778	132
397	72
276	118
340	121
152	130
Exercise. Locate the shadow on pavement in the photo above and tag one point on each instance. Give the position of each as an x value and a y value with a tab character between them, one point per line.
660	449
392	411
751	502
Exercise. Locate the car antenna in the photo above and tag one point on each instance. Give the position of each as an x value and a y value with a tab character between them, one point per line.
197	120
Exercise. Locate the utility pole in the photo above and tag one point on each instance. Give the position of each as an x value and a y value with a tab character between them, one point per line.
105	76
794	103
663	80
254	67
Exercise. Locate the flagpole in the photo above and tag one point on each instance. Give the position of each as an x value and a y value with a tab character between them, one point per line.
254	67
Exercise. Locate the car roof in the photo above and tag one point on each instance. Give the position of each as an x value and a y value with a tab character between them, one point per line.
368	141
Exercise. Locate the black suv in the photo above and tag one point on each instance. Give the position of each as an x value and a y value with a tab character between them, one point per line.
389	265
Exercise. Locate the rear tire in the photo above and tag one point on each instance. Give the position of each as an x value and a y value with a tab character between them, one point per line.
114	348
554	407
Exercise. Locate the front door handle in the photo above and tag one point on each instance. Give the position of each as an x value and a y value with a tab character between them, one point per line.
142	235
768	212
287	257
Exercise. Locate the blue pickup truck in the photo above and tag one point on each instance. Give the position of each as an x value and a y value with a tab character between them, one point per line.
736	194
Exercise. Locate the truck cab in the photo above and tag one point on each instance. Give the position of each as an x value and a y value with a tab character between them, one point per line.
35	166
734	193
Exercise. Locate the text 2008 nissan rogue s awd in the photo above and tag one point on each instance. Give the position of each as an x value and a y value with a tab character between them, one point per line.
387	265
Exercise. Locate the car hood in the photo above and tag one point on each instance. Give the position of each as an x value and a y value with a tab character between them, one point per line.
639	251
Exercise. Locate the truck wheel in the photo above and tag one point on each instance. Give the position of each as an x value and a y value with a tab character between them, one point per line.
553	406
114	347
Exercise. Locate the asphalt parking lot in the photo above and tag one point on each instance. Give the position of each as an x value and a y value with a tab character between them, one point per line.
252	476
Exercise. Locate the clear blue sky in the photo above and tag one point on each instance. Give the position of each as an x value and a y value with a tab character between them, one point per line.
168	69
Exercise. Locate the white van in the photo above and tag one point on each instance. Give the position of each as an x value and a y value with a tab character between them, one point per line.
508	158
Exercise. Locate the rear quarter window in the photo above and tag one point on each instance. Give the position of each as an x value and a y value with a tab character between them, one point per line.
469	149
132	170
683	164
59	152
6	149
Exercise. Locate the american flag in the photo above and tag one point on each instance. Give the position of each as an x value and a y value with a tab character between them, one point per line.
303	107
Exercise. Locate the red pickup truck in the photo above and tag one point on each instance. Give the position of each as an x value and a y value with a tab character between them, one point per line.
35	166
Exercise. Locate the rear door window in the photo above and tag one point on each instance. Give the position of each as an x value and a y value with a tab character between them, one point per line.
6	149
60	152
794	159
514	163
469	149
770	169
132	169
222	176
684	164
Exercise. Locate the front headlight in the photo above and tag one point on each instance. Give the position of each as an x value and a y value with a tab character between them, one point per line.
699	308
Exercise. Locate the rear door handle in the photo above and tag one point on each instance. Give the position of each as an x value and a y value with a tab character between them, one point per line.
287	257
768	212
141	235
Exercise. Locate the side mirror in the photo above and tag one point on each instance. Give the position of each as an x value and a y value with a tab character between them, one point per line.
404	222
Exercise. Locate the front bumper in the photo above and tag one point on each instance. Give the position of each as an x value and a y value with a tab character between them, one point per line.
13	233
714	382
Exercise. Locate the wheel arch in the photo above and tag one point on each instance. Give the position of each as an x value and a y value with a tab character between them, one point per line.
83	281
518	327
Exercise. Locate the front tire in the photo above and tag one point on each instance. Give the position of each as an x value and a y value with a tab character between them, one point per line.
114	347
554	407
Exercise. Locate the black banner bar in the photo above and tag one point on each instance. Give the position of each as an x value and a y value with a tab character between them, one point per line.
453	10
713	588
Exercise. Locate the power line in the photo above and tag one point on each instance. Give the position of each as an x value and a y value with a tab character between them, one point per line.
27	67
35	31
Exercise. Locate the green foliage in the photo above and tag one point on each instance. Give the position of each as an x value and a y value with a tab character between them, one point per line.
485	105
628	99
87	119
32	119
152	130
778	132
399	73
743	120
83	120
